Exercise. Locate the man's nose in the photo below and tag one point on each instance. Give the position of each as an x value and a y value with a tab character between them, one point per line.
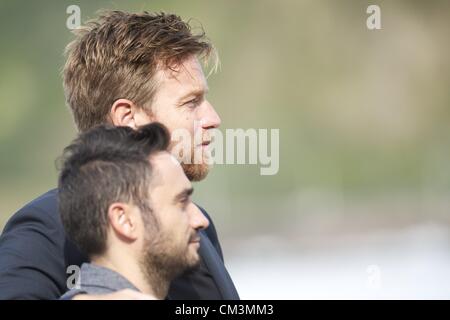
198	220
209	118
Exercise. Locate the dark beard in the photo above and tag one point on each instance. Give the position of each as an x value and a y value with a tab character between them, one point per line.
162	262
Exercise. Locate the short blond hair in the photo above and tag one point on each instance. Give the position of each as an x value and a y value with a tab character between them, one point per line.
117	55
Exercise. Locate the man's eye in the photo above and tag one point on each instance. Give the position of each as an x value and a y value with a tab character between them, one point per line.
184	202
192	103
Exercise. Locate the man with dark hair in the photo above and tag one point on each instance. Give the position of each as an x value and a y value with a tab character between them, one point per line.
126	70
126	202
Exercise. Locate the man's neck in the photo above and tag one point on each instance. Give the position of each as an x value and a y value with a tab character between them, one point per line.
155	285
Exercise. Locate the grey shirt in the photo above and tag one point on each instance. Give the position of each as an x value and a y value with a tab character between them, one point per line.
94	279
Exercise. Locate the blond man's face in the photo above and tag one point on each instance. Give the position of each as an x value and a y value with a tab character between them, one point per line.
180	103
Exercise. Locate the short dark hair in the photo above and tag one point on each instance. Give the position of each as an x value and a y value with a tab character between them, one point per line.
104	165
117	55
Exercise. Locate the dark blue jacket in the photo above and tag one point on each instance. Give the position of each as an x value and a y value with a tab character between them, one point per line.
35	254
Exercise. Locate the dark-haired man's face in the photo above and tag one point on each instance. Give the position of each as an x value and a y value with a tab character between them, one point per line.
173	245
180	103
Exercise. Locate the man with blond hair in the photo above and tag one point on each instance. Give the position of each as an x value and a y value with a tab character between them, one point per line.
123	69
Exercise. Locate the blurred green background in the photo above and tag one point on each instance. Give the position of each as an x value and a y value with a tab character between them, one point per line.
363	115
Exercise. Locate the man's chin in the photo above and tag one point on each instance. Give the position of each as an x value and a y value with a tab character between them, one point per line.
196	172
193	261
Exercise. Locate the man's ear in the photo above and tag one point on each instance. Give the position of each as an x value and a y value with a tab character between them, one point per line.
126	113
123	220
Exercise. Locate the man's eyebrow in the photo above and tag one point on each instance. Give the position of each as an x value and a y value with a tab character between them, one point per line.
183	194
195	92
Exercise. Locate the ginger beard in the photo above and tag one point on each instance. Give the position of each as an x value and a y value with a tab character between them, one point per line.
195	172
196	162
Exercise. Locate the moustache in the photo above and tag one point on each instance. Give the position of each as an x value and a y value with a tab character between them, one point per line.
195	237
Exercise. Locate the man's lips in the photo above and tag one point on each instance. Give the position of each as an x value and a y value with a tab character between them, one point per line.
205	143
195	239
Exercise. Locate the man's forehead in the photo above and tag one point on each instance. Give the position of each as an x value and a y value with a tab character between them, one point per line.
188	75
164	158
167	169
